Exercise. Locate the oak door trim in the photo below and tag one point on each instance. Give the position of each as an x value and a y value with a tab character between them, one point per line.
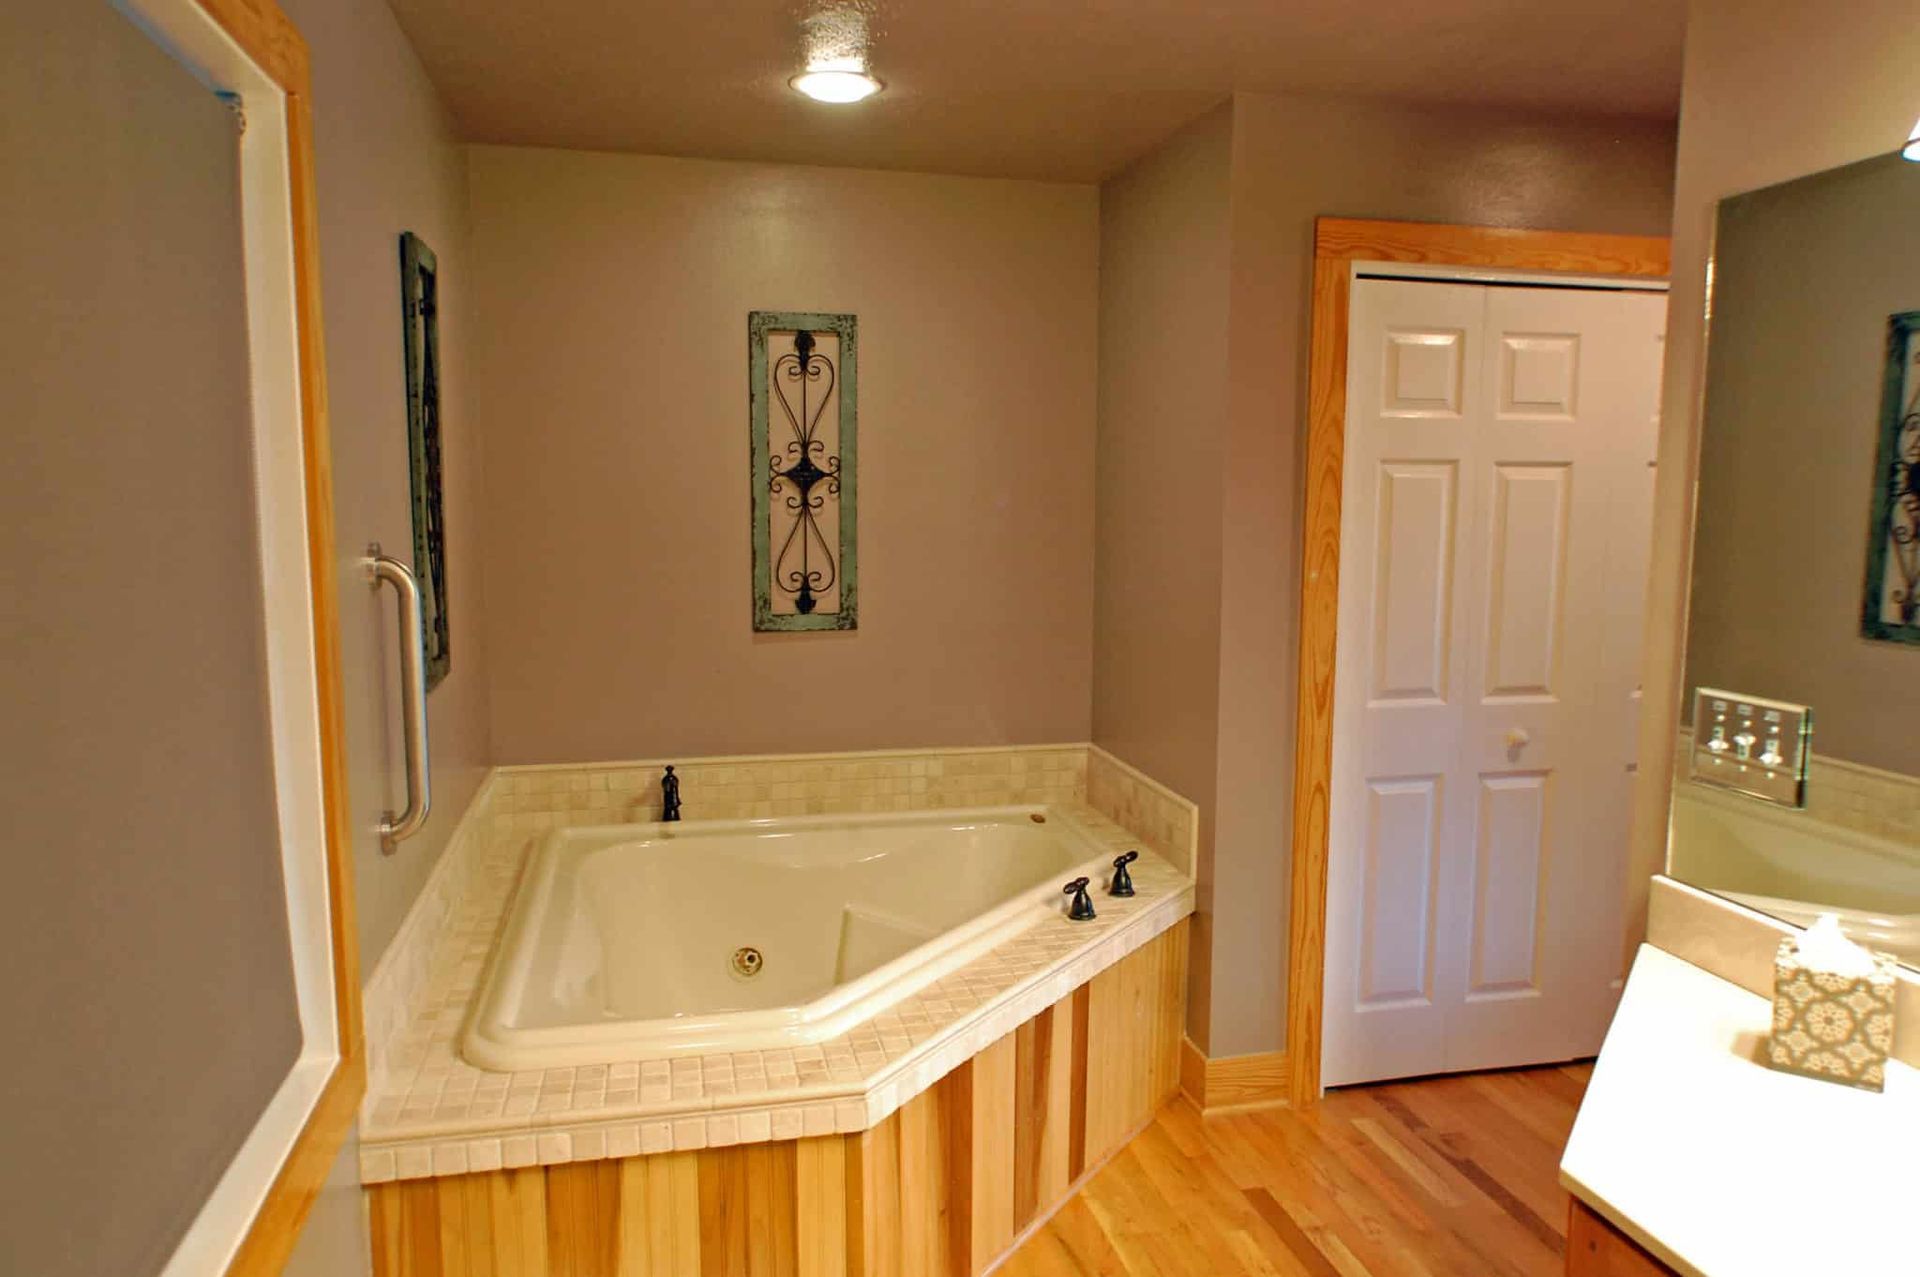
269	38
1338	244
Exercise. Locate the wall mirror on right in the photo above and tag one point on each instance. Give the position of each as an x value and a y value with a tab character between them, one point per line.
1798	786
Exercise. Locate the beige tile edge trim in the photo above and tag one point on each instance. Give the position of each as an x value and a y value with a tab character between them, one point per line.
1737	944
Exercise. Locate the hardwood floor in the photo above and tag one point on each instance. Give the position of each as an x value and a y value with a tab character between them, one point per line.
1443	1177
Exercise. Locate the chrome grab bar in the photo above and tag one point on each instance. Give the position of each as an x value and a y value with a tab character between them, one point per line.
413	678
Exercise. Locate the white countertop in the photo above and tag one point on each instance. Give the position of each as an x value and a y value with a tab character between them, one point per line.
1724	1167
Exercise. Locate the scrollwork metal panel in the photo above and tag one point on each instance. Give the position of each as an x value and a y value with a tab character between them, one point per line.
1891	609
803	370
420	320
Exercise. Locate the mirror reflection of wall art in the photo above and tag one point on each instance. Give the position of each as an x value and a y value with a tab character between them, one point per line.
803	385
420	320
1892	606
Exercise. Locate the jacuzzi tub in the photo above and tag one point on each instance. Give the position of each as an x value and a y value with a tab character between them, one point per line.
630	942
1794	867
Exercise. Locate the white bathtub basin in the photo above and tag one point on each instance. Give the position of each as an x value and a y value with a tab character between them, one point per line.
635	941
1794	867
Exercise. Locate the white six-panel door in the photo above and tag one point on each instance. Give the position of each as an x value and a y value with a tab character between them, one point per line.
1493	554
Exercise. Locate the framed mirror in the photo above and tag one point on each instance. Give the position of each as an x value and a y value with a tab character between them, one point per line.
1806	555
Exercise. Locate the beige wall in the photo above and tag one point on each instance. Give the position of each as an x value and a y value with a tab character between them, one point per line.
613	294
1164	260
1773	90
1806	276
1293	159
388	162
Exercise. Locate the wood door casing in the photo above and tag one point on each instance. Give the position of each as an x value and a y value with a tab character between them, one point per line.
1338	244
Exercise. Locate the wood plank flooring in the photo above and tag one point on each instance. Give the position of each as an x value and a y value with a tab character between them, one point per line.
1442	1177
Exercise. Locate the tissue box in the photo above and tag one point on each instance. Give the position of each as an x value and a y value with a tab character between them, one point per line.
1831	1026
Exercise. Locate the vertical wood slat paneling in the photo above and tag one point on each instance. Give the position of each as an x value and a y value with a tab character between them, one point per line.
660	1216
747	1203
517	1210
1132	1045
873	1200
820	1211
938	1189
1079	1008
466	1227
405	1219
987	1188
583	1219
1042	1112
926	1201
723	1203
1168	1009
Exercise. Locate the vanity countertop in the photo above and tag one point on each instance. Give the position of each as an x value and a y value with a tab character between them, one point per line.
1723	1167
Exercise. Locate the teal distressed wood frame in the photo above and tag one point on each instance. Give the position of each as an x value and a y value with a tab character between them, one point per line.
1894	411
420	339
846	327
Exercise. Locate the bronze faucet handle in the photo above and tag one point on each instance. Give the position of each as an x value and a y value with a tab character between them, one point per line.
1081	907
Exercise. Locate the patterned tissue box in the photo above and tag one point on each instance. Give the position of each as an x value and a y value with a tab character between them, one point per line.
1835	1027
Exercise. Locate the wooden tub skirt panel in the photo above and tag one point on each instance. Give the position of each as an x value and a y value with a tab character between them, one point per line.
940	1188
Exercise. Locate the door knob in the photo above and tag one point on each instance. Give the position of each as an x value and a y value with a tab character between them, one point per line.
1517	739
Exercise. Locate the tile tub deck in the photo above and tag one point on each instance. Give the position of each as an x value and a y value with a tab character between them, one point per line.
429	1113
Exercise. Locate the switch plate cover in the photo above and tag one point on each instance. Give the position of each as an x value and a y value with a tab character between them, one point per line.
1752	745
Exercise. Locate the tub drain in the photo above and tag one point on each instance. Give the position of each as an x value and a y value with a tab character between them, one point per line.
747	961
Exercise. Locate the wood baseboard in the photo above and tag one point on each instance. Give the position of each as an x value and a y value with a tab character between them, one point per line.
1233	1081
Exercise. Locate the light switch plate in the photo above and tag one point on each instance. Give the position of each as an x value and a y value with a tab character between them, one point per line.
1751	744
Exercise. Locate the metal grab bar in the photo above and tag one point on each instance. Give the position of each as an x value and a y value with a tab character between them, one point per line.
413	677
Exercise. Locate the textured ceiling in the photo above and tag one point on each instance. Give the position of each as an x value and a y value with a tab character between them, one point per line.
1063	89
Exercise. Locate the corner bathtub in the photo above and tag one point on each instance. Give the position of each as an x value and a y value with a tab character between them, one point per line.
1794	867
638	941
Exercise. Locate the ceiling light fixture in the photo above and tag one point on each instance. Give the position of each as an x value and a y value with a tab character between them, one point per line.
1912	149
835	43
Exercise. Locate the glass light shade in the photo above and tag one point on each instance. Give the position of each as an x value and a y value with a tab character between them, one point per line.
836	86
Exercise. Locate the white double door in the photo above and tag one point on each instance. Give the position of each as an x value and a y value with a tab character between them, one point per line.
1497	503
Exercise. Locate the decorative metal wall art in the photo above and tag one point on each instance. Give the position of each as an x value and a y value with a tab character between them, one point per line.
420	328
803	372
1891	609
